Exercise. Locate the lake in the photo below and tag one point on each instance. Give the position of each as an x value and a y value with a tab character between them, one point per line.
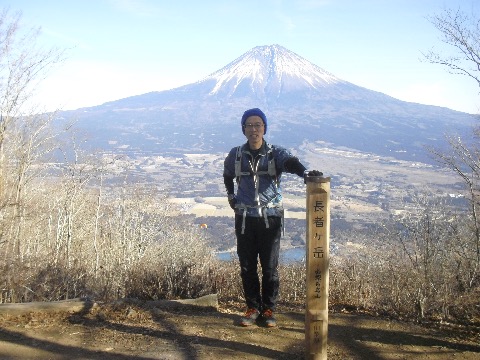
286	256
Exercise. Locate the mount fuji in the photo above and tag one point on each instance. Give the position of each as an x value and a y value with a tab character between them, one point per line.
302	101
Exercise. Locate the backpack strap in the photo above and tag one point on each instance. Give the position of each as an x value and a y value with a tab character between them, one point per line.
271	168
271	171
238	165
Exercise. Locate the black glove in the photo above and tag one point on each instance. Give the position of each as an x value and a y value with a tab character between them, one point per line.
232	200
311	173
315	173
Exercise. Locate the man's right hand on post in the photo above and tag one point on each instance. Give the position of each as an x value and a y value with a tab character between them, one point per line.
311	173
315	173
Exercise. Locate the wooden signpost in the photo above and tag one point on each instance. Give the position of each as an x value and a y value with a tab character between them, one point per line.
318	236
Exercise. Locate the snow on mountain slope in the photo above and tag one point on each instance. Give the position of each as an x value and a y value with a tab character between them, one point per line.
267	69
304	104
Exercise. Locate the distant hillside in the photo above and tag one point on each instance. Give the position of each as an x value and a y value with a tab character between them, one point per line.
303	103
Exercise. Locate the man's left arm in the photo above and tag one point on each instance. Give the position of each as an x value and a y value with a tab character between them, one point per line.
293	165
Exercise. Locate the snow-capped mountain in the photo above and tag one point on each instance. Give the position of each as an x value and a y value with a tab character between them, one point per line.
303	102
269	71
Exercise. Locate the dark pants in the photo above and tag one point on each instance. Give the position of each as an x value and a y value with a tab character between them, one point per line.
258	242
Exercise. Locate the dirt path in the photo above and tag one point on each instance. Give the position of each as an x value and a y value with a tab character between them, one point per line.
135	333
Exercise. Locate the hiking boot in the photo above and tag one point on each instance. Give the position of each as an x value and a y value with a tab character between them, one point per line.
268	318
250	317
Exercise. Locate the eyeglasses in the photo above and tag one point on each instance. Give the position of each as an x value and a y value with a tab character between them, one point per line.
252	126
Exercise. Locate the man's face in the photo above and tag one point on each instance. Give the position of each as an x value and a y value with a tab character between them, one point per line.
254	129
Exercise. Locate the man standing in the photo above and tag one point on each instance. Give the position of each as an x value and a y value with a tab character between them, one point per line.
257	167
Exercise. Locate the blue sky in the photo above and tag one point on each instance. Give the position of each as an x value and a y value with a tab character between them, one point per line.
121	48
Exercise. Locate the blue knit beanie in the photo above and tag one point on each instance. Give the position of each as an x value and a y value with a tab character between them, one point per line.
254	112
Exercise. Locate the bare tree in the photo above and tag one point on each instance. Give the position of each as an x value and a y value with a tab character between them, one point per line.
464	160
422	235
462	32
24	133
23	65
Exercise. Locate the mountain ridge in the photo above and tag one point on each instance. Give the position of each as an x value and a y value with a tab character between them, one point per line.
269	68
304	103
